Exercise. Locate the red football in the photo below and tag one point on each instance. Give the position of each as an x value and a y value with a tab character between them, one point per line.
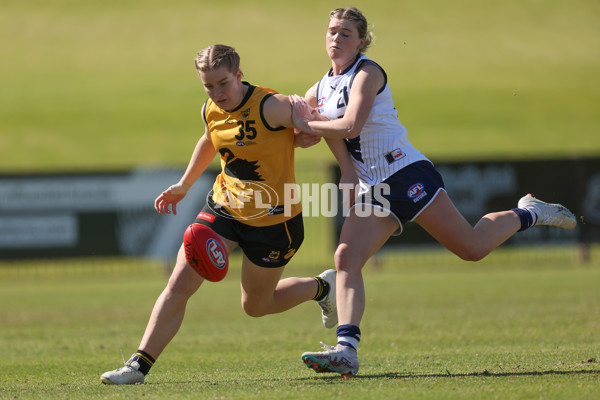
205	252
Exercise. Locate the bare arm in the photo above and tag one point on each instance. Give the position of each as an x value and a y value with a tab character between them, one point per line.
311	96
340	152
278	112
203	154
348	178
366	84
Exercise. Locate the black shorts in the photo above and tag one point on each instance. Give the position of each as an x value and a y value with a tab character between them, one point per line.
267	246
406	193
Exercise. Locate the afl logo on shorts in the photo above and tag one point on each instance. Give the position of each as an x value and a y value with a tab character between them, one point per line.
216	253
416	192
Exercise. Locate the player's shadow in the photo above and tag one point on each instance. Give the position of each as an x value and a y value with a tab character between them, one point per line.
334	378
448	374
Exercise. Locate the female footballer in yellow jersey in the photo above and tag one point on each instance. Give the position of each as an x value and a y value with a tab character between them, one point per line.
257	160
251	128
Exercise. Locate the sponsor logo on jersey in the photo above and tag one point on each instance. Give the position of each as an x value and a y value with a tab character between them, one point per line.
394	155
416	192
246	143
321	102
216	253
206	217
246	113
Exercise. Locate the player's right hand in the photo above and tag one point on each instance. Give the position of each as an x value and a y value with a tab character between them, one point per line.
301	112
170	197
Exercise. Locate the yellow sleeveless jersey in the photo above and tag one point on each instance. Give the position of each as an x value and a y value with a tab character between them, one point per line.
257	162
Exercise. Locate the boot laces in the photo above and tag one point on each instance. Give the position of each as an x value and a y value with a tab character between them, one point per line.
327	347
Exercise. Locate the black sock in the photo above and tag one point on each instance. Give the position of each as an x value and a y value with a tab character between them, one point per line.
525	216
322	290
145	361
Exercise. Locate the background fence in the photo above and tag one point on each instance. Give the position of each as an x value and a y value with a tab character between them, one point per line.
84	215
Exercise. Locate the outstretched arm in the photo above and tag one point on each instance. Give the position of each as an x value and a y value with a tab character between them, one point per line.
201	157
278	112
366	84
349	179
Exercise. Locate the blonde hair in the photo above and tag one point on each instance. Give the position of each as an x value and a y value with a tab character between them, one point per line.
217	56
360	21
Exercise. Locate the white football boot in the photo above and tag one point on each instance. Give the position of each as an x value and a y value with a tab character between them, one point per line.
127	375
328	304
548	214
339	359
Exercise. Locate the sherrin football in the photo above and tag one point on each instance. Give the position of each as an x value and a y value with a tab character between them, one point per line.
205	252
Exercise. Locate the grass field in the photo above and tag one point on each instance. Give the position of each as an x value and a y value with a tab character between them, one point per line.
87	85
111	84
434	329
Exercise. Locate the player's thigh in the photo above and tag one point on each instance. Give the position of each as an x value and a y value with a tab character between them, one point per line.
258	283
362	236
442	220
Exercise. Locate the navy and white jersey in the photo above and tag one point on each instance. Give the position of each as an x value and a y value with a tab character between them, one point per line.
382	148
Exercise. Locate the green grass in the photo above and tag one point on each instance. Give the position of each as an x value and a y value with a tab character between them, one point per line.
111	84
435	328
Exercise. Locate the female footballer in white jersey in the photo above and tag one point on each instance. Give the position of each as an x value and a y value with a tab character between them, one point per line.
396	181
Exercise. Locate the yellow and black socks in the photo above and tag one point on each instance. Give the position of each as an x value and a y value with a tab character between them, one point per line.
322	290
143	360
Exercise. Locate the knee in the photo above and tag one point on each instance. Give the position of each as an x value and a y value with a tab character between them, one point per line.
471	254
252	309
178	287
348	261
341	257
